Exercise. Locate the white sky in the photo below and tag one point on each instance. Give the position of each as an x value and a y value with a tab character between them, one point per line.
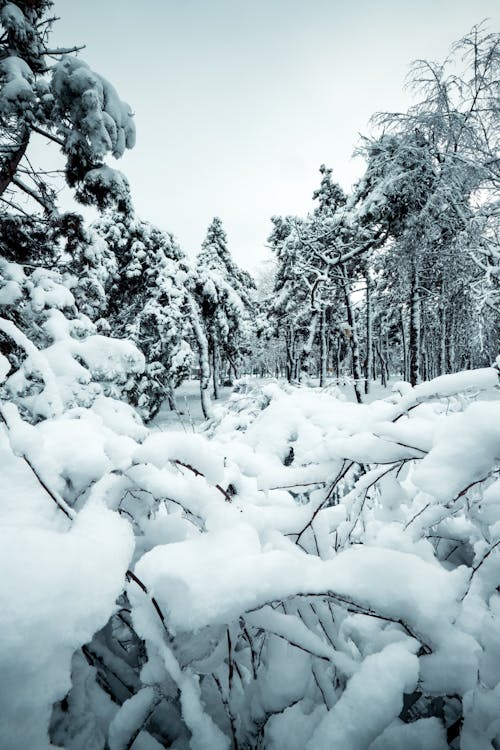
238	102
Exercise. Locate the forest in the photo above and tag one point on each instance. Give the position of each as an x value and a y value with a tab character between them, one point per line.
314	562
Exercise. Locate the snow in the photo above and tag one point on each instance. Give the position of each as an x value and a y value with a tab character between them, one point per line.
188	416
38	361
448	385
119	417
17	84
9	292
423	734
93	106
4	368
129	717
474	433
192	450
396	584
73	572
378	687
293	727
293	630
331	603
279	566
74	370
13	17
47	291
107	179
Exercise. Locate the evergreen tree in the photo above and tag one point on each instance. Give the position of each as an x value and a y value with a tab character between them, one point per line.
67	103
80	111
224	294
138	276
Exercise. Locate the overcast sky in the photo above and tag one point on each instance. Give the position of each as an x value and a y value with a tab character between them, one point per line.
238	102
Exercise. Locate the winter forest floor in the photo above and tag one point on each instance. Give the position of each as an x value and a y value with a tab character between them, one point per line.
289	562
189	416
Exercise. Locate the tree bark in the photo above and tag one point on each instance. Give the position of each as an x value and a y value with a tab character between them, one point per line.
356	365
403	345
171	398
451	348
369	337
443	331
383	365
289	349
215	365
203	358
323	350
414	343
9	170
305	366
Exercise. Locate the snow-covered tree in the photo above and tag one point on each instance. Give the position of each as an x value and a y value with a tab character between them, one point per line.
225	297
432	178
318	265
266	355
66	102
52	93
290	302
136	277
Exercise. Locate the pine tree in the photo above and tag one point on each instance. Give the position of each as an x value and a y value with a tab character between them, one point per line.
140	277
224	294
66	102
79	110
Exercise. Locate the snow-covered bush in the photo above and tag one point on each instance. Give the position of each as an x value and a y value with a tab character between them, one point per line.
307	573
38	318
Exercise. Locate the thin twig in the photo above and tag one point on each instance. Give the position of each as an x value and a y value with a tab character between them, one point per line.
132	577
200	474
343	471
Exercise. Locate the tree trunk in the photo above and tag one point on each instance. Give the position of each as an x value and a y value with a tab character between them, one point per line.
383	365
215	365
425	364
442	347
414	344
403	345
10	167
171	398
451	348
204	363
323	350
232	370
356	366
305	365
289	349
369	342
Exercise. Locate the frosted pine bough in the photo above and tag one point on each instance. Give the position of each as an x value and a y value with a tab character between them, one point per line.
308	573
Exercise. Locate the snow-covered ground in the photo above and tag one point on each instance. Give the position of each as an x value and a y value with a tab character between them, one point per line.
302	568
189	415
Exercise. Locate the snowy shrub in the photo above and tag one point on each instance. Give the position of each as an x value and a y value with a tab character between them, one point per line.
317	574
38	318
